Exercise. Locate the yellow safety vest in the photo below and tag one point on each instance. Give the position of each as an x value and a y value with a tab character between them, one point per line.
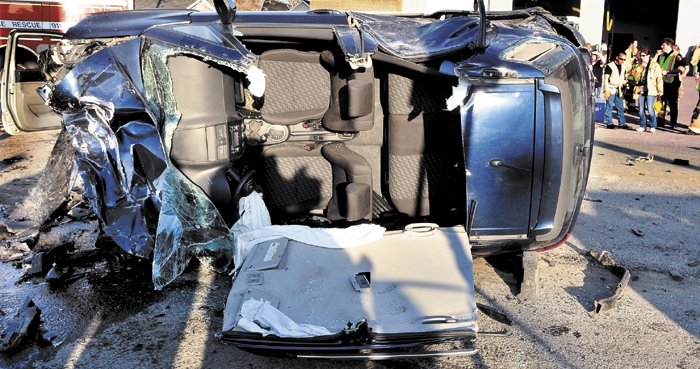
668	64
616	78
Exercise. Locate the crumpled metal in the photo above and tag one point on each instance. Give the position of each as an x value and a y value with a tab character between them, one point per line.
120	115
534	23
420	39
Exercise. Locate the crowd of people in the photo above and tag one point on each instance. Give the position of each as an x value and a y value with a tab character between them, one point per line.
650	83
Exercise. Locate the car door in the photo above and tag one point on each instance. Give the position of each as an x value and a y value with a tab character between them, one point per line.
23	110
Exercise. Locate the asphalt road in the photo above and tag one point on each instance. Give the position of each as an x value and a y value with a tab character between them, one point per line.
645	213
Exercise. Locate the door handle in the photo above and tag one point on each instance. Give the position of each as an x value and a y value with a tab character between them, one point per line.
498	163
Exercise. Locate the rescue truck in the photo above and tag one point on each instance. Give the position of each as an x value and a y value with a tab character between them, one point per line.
54	16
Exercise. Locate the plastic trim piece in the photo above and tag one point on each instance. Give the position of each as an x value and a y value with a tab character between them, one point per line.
394	356
552	226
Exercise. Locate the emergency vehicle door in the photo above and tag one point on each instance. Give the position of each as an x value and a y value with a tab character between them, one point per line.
23	110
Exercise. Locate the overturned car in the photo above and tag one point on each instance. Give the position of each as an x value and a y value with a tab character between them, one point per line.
343	166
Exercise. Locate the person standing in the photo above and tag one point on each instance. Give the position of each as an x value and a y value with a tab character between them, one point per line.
649	85
632	59
604	51
672	66
614	78
598	66
631	53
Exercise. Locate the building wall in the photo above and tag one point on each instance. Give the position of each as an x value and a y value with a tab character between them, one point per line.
688	27
431	6
592	19
646	33
499	5
427	7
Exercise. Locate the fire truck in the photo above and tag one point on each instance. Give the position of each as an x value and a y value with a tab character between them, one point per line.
41	24
47	15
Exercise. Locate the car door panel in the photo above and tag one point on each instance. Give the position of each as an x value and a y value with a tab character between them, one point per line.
23	110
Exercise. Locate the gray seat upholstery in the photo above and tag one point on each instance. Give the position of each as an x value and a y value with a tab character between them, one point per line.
297	86
300	177
425	156
351	110
297	178
352	184
352	99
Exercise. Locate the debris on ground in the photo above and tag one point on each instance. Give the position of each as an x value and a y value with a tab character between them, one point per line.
694	263
13	159
37	264
675	276
14	252
494	314
640	159
621	272
592	200
638	232
23	328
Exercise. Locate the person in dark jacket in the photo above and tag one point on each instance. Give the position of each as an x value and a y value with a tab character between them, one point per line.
672	66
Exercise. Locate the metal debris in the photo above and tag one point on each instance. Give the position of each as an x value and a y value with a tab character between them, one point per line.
638	232
494	314
608	303
37	264
24	326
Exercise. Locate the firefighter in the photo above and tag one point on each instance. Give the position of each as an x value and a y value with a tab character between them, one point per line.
628	92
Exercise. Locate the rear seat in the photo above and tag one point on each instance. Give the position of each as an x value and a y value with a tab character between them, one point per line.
304	86
425	156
